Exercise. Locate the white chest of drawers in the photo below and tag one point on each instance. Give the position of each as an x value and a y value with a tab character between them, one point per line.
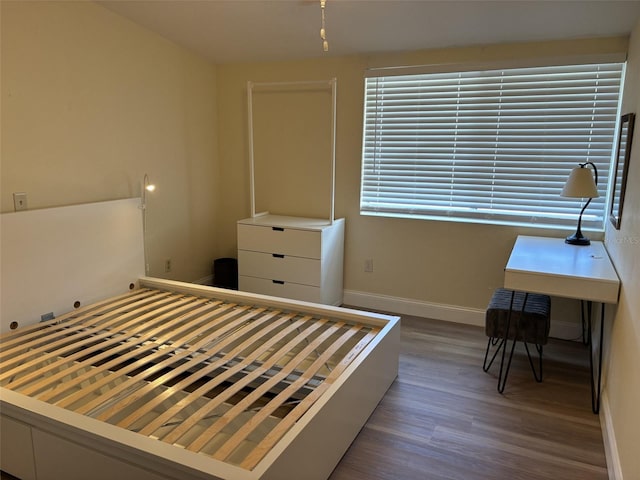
292	257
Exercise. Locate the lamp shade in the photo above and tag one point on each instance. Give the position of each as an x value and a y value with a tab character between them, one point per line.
580	184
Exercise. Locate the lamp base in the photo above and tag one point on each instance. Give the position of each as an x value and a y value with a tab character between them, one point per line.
577	239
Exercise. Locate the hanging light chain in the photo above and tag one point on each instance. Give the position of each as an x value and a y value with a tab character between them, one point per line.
323	31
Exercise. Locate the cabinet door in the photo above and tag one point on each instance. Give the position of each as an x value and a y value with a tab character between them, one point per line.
284	241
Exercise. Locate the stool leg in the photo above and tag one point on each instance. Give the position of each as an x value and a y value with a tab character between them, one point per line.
492	341
533	368
502	381
539	348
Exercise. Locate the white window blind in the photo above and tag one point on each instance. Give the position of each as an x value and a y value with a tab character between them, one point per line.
492	146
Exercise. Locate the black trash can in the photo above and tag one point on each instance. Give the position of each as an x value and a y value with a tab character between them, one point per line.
225	273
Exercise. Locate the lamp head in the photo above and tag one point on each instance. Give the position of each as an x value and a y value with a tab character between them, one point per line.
148	186
581	183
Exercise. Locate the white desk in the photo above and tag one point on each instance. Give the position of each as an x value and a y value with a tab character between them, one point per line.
553	267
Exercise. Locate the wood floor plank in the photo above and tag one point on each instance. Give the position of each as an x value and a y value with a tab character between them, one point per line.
444	419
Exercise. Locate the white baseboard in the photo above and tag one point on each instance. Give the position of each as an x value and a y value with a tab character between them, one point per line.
208	280
450	313
407	306
609	439
565	330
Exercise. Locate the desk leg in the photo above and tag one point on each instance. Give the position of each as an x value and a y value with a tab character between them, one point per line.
585	337
595	389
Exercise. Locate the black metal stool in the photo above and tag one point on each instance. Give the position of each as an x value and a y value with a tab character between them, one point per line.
516	316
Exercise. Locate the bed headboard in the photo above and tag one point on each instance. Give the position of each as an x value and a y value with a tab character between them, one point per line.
54	257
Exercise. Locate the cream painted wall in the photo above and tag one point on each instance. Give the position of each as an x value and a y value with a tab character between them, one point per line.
443	263
622	387
90	102
292	157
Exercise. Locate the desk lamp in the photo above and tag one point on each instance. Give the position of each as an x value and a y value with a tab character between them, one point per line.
581	184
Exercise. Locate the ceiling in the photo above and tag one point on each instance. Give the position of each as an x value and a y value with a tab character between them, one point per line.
227	31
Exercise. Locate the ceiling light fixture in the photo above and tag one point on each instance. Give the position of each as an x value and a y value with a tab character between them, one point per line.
323	31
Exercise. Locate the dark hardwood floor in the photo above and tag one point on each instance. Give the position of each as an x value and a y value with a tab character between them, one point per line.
444	419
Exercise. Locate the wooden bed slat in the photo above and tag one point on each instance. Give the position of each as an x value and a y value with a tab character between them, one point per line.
230	445
257	340
123	340
287	369
195	361
150	360
7	338
268	442
135	344
18	337
191	379
263	346
147	372
70	339
138	348
51	355
214	403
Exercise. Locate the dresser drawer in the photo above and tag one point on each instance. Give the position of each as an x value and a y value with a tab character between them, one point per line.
295	291
284	241
279	267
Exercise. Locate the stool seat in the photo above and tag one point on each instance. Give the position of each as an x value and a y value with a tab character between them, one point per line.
519	317
530	326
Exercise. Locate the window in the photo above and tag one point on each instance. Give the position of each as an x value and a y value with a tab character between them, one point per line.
493	146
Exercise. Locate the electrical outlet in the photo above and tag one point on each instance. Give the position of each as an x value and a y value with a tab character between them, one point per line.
368	265
167	265
19	201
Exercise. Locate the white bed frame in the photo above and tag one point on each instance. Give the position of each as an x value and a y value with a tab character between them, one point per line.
43	441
